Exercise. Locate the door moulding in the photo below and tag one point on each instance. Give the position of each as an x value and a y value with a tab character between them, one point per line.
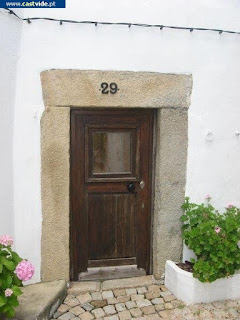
63	89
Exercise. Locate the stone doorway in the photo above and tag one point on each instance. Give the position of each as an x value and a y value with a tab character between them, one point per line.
63	89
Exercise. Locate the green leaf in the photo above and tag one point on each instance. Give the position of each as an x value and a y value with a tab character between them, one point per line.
16	291
13	301
3	301
4	253
16	281
7	280
1	268
10	265
2	258
185	226
10	313
16	258
184	218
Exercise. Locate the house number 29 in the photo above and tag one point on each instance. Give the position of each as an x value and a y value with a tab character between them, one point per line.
107	88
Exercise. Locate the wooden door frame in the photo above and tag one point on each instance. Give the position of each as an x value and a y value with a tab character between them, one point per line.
74	267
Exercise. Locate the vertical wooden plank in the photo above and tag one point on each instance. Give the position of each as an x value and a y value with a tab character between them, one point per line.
95	226
125	226
108	227
79	233
120	223
144	196
132	225
129	227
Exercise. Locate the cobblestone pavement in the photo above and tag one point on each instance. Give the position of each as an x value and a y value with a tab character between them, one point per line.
87	301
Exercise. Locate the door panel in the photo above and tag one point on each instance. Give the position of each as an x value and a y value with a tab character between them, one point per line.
115	214
111	153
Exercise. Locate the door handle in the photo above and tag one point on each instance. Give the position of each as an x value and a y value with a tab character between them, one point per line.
142	184
131	186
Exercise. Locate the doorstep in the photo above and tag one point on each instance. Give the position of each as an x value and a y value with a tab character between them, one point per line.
86	286
39	301
108	273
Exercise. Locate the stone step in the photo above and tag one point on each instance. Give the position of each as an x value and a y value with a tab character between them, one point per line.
109	273
127	283
90	286
82	287
39	301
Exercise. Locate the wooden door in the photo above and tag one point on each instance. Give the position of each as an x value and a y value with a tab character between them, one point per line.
111	159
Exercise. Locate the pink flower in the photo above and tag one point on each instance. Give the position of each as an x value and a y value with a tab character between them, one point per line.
6	240
25	270
217	229
208	197
230	206
8	292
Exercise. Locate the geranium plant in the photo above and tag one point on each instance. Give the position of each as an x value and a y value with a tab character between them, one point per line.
13	270
214	237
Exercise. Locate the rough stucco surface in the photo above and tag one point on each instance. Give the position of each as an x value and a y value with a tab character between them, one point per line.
64	88
136	89
55	143
170	175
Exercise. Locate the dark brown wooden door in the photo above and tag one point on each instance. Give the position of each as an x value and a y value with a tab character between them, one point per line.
111	157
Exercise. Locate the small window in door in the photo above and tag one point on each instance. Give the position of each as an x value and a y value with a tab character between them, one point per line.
111	153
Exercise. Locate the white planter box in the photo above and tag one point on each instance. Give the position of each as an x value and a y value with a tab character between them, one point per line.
190	290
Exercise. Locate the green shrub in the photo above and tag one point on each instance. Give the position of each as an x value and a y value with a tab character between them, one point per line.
13	270
214	237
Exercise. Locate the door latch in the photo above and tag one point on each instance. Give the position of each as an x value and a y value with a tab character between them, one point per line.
142	184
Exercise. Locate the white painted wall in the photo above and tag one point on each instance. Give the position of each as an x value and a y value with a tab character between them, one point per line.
212	59
10	34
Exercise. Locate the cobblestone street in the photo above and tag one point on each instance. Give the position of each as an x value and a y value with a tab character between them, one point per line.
136	298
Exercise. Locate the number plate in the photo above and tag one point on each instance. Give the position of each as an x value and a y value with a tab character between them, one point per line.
107	88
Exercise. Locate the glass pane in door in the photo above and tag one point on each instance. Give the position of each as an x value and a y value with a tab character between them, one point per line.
111	152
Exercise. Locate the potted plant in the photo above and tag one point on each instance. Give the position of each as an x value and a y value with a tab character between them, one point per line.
13	270
215	239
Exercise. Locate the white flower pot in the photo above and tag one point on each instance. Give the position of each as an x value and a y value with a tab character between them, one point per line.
190	290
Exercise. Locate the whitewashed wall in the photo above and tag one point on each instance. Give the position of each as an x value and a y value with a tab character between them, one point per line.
10	34
212	59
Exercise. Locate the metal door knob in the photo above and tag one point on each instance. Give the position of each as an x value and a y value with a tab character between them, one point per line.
131	186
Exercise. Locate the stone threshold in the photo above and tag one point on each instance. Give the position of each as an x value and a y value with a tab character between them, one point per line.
86	286
108	273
